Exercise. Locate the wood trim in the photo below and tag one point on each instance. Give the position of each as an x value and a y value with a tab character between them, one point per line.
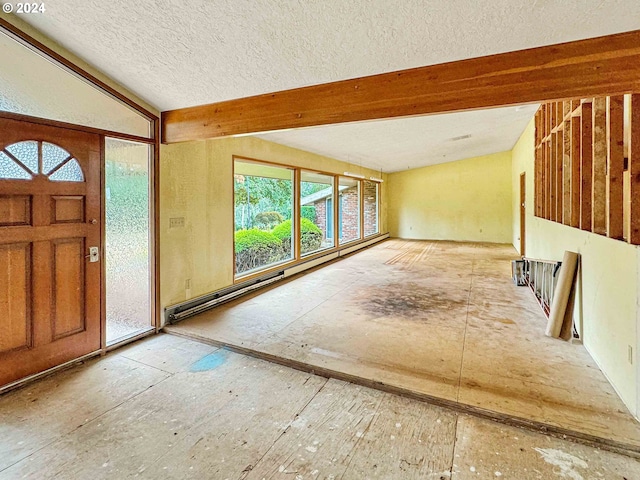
71	126
156	307
615	166
296	216
34	44
103	246
597	66
634	170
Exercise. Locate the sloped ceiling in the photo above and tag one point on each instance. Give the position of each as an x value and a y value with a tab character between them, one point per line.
177	53
400	144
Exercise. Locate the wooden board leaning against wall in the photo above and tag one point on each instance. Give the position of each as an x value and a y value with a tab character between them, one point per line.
587	165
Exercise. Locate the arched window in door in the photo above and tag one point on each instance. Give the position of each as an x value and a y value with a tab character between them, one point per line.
24	160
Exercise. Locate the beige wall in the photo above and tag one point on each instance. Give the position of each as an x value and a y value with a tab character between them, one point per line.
467	200
606	304
196	183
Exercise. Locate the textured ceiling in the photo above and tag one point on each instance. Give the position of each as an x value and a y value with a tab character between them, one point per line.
177	53
400	144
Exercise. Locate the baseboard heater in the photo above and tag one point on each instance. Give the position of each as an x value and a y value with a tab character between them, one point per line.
180	311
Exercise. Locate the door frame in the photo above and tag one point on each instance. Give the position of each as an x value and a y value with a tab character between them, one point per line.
523	213
154	166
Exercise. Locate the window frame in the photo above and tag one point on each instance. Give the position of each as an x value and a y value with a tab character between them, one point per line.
296	216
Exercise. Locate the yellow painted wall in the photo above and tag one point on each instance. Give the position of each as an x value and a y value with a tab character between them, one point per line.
196	183
606	304
467	200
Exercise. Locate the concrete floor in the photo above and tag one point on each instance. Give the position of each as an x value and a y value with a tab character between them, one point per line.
171	408
441	319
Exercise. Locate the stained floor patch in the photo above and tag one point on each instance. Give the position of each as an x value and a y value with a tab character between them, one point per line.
408	300
210	362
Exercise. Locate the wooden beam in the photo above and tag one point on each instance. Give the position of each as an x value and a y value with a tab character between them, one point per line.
585	68
574	161
599	171
634	170
615	166
586	160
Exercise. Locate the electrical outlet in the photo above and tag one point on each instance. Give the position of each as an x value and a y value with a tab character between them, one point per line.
187	284
630	354
176	222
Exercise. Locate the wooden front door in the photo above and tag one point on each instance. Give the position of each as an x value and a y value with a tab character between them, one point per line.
49	218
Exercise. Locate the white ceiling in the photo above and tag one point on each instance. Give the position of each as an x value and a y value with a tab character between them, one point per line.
400	144
177	53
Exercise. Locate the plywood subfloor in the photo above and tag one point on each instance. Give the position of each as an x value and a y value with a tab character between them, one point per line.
436	318
171	408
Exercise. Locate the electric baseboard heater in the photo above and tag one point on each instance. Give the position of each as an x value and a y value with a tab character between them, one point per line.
200	304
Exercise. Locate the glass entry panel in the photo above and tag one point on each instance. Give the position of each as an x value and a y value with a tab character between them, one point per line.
316	215
349	210
127	251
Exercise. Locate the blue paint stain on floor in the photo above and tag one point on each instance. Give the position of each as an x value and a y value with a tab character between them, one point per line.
210	362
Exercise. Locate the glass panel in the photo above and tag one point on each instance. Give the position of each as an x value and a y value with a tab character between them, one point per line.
127	238
10	169
27	153
349	210
316	222
52	156
263	197
370	208
69	172
32	85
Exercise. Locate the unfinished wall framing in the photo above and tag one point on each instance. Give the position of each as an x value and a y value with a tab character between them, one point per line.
587	165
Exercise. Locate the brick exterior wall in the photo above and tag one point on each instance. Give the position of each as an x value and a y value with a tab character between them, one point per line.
321	216
351	212
370	208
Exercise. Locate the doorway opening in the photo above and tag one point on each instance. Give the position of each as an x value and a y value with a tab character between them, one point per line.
523	213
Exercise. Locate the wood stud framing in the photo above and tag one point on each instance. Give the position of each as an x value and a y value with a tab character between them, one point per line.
580	163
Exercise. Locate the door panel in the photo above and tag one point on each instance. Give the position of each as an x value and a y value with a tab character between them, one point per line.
68	287
49	217
67	209
15	293
15	210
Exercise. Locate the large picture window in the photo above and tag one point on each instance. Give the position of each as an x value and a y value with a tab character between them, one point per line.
283	214
263	198
316	212
370	199
348	210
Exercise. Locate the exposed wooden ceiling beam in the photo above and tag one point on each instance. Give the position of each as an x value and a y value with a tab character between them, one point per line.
586	68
